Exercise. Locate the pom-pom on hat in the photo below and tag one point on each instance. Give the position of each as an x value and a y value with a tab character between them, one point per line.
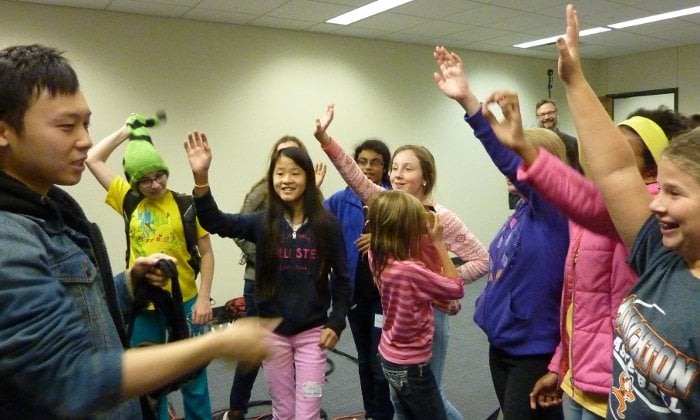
141	157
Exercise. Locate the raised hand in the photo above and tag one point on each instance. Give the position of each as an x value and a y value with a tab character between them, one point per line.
198	153
569	65
322	124
509	130
320	173
451	79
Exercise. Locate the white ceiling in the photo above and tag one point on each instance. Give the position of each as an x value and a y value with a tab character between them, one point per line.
486	25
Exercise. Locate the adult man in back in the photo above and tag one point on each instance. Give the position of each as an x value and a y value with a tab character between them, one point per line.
548	117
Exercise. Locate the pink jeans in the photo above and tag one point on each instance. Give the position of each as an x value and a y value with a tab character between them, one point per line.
295	374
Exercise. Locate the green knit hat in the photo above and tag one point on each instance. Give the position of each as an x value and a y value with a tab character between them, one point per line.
141	157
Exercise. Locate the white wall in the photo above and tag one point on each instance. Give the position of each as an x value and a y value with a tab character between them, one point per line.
662	69
247	86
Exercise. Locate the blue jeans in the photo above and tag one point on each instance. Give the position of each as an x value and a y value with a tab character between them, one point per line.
373	384
151	326
416	389
245	375
441	338
575	411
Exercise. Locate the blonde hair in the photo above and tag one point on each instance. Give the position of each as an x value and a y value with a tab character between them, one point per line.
549	140
684	151
396	221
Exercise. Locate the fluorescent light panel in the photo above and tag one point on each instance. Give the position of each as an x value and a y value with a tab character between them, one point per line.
656	18
553	39
366	11
626	24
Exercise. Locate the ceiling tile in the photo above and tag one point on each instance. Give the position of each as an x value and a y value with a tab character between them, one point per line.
486	25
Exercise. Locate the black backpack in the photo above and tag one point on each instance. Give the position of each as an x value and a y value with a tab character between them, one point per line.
185	205
170	305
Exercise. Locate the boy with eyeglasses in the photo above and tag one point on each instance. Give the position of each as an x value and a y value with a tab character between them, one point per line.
156	225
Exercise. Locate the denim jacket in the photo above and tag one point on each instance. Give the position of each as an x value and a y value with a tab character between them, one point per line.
61	330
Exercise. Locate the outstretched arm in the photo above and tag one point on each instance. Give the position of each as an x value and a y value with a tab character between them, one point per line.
145	369
343	162
97	156
610	158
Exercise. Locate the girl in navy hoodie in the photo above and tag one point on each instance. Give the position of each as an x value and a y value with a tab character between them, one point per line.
297	242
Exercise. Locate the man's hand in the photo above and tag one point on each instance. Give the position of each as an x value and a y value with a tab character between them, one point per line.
247	339
146	268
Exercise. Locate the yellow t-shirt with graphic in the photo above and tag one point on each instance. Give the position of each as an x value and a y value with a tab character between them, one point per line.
156	226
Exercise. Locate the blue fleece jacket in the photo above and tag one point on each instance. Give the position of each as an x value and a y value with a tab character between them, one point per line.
519	307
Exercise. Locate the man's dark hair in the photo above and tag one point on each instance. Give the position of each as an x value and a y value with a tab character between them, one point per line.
25	72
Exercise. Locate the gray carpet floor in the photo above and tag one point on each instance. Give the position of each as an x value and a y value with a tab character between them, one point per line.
467	380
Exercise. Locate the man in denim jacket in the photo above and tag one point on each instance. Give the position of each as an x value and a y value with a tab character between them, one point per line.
62	336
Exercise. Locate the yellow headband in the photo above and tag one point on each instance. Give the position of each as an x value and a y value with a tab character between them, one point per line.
651	134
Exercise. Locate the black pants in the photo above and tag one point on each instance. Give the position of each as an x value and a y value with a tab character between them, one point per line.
513	378
245	375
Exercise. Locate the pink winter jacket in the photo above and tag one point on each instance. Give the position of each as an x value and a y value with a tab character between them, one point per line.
596	274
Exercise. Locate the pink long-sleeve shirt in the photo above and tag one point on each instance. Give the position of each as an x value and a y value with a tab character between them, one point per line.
458	238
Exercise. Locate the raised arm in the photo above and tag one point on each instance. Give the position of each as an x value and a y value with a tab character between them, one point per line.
452	82
610	159
343	162
97	156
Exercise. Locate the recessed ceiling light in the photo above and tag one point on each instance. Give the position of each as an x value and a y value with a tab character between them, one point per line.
366	11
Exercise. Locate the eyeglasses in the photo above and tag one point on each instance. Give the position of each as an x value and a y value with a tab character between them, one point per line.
546	114
148	182
377	163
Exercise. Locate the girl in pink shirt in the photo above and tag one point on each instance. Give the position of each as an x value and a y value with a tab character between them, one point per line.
397	221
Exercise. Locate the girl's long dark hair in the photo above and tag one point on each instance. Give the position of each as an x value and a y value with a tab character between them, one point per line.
316	215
